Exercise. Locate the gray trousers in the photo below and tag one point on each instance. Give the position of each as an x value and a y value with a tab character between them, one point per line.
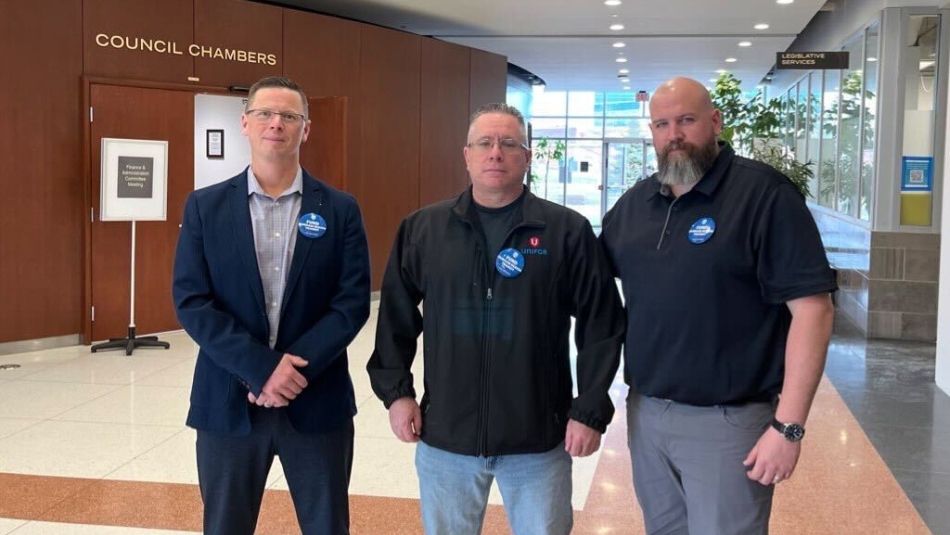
688	471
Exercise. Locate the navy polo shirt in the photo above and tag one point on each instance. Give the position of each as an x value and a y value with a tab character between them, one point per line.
706	277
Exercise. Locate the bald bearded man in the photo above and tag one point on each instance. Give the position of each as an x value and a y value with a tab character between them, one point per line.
727	290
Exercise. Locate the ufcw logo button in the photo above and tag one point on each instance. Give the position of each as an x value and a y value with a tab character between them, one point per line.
534	247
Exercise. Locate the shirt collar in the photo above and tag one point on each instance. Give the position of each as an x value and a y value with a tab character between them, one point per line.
253	186
710	181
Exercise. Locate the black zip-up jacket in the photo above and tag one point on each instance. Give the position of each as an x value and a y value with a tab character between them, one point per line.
496	349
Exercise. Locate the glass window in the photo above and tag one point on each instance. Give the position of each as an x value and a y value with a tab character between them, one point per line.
624	105
548	127
852	86
585	128
628	128
585	103
801	120
548	103
576	123
869	124
788	123
827	170
584	176
814	129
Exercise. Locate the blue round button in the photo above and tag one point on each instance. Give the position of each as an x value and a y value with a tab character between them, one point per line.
312	225
510	263
701	230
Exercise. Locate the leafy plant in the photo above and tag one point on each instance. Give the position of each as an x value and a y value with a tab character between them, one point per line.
545	151
753	128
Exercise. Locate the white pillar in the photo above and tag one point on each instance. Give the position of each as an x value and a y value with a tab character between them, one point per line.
943	300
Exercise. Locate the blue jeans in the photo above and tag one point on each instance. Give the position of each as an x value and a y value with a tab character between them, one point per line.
535	488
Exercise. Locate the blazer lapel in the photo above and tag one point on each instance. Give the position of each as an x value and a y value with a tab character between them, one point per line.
311	202
244	236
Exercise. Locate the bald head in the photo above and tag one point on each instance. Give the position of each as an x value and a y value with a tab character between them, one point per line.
685	91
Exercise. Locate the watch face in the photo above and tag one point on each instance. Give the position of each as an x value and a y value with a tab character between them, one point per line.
794	432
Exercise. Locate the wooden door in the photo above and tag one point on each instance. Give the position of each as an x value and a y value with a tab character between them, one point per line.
138	113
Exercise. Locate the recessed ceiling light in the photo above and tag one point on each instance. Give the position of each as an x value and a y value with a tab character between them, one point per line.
621	60
784	1
872	59
616	27
730	60
745	43
761	26
626	88
619	44
624	71
721	71
612	3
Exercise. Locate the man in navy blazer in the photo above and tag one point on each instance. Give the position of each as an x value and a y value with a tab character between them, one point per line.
271	280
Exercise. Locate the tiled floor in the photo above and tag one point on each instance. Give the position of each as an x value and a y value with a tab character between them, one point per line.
94	444
889	387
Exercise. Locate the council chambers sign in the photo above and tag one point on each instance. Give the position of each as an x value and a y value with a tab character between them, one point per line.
164	46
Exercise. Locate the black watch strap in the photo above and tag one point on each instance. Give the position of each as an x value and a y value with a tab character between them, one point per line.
791	431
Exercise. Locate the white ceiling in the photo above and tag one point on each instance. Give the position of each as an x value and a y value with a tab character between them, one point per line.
568	43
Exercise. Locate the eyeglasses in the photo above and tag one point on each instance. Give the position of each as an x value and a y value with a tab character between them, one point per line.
507	145
286	117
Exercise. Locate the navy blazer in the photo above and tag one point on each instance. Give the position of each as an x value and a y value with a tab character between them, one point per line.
219	300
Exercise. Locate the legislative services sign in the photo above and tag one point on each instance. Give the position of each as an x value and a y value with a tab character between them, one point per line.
811	60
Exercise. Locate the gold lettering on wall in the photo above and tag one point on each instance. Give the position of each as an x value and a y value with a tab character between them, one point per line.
163	46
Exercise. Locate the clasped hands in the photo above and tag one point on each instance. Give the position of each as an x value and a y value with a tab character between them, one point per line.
283	385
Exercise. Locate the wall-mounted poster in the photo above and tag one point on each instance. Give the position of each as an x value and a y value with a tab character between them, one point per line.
134	180
917	173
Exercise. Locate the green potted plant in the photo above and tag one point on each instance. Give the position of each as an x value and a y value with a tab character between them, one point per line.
545	151
752	127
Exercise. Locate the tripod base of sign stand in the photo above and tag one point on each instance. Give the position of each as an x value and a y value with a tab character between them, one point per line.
131	342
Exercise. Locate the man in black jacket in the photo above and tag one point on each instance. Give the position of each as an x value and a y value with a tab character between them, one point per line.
499	273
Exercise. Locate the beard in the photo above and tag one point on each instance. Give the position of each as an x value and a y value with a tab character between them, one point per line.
687	168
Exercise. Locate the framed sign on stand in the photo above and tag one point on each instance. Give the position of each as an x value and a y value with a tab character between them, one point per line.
134	185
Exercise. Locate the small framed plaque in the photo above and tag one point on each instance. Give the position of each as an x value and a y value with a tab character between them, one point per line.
215	143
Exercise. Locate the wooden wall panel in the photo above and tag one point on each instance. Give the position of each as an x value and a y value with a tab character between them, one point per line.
42	184
388	185
239	26
324	152
170	20
489	78
322	54
444	120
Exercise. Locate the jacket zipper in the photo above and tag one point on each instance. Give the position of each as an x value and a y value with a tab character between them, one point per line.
482	433
486	373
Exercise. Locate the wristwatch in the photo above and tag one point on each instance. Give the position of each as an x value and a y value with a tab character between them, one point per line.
791	432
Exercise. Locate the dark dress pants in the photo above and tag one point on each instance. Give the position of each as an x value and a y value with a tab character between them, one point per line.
232	474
